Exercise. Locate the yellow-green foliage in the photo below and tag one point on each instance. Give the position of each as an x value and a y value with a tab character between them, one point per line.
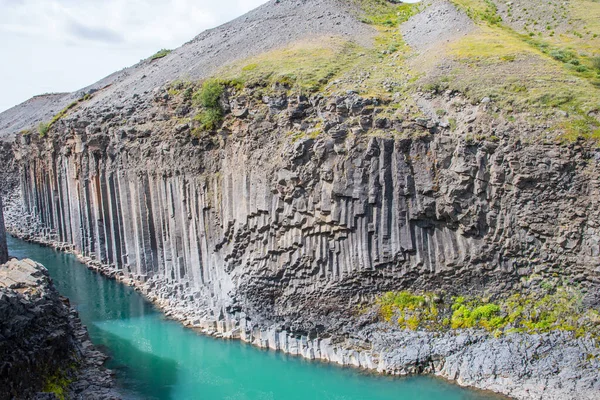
480	10
475	314
582	127
560	310
310	66
43	129
526	73
382	13
304	66
181	86
412	311
57	384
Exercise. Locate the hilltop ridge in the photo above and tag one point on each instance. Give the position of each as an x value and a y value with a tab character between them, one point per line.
275	24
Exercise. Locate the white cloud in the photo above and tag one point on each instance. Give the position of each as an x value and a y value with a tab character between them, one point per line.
62	45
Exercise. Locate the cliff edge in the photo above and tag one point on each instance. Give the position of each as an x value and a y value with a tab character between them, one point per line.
44	348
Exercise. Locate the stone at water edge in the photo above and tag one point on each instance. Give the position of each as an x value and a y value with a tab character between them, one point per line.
3	247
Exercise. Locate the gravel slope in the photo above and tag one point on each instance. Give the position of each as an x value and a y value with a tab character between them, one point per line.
272	25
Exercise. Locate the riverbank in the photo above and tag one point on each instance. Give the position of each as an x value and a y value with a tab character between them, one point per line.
522	366
52	355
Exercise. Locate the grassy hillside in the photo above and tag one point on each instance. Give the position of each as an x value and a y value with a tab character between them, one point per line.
552	74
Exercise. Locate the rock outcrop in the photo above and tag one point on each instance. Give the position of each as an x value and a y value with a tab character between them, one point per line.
3	248
44	347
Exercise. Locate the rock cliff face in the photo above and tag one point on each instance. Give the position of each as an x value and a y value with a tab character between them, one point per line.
276	241
3	248
44	347
272	227
299	208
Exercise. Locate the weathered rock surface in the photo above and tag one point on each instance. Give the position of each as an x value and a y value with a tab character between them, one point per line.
275	227
3	248
42	339
272	25
275	242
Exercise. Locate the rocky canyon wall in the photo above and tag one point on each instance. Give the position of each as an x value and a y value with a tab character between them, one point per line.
250	220
3	248
45	350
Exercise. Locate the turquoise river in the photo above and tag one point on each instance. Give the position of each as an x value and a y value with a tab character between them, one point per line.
155	358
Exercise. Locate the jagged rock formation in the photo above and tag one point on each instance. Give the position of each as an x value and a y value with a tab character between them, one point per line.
44	346
3	248
273	228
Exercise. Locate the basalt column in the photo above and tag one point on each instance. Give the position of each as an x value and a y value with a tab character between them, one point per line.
3	249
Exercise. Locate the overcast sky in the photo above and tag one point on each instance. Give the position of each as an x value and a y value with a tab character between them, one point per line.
64	45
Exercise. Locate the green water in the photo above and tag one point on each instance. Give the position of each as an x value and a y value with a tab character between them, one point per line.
155	358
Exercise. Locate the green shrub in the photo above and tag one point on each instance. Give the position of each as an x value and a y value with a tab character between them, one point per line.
209	94
43	129
160	54
561	55
209	119
208	97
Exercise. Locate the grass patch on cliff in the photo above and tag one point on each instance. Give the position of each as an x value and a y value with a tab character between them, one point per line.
334	64
44	127
305	67
558	310
544	78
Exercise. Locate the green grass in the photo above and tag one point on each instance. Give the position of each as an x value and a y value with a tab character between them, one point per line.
159	54
549	310
44	127
333	64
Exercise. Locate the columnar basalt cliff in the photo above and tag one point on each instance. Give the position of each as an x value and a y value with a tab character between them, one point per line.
251	223
266	240
283	218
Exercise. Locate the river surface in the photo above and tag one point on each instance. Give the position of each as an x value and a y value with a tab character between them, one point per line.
155	358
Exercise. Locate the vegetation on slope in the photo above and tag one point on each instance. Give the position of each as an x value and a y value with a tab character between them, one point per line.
208	97
44	127
538	74
541	77
555	309
159	54
330	65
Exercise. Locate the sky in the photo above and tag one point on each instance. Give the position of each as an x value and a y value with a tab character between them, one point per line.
63	45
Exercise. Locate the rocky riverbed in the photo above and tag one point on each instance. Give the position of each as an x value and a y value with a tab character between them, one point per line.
45	350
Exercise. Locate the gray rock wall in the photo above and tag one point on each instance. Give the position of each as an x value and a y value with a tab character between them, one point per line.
251	221
43	340
3	248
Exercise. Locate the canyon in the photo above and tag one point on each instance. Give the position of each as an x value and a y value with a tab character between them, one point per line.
285	223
